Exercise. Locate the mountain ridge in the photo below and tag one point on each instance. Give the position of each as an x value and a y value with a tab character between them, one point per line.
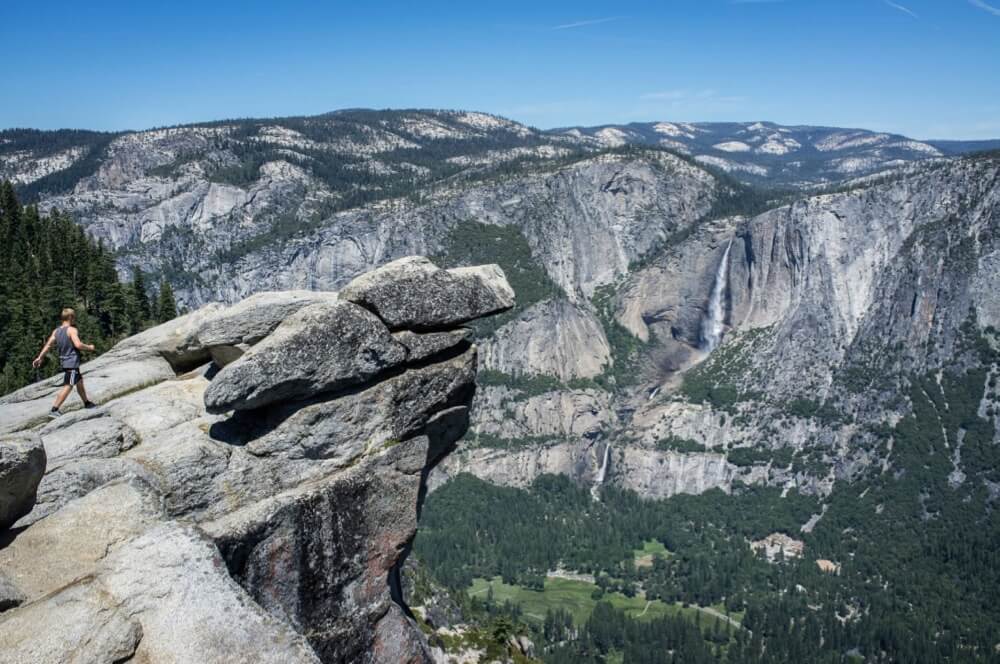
17	154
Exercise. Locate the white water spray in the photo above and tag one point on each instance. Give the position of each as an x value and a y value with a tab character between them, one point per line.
712	324
602	473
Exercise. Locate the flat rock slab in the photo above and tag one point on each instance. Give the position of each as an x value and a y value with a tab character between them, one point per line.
254	318
75	479
86	434
108	377
22	464
156	409
414	293
80	624
67	545
320	348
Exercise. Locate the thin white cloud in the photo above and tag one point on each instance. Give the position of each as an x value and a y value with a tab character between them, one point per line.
580	24
985	7
681	100
678	95
665	95
901	8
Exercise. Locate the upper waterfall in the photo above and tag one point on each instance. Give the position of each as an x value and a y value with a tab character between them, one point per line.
712	324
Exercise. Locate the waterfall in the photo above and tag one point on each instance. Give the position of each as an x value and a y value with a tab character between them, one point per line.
712	323
602	473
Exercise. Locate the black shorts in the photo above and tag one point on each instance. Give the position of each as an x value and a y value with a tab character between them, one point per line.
72	376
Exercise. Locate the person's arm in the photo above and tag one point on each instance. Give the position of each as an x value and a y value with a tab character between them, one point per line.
37	362
77	344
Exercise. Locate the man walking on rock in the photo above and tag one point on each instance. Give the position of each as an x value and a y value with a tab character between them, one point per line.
68	345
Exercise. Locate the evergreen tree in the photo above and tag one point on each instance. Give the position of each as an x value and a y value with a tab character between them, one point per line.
166	306
48	263
140	296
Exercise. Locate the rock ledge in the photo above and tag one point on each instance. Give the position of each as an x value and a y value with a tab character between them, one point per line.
252	508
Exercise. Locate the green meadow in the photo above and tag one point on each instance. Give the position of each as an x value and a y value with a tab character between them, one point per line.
577	598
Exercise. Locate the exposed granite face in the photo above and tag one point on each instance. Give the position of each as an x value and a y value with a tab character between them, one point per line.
552	338
507	414
883	263
165	532
22	464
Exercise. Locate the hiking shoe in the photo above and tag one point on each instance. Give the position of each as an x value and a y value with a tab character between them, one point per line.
89	404
53	414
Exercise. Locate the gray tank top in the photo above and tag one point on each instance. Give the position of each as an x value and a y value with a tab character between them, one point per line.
69	356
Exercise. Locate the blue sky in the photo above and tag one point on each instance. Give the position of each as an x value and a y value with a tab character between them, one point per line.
926	68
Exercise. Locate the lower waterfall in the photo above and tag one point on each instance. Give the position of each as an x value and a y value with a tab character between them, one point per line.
602	474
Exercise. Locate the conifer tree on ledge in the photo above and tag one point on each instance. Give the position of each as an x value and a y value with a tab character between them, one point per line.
48	262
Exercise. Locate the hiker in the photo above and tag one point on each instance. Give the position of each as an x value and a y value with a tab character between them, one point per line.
68	345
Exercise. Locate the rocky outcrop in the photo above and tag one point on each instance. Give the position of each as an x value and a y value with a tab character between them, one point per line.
22	463
320	348
181	521
415	293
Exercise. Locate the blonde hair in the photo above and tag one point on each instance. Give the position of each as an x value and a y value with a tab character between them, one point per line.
68	315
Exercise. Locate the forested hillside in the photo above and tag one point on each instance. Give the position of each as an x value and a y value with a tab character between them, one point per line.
47	263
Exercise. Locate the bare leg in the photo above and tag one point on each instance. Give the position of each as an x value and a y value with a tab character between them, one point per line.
63	393
82	392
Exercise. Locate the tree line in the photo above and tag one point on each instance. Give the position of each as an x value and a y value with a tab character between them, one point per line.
47	263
